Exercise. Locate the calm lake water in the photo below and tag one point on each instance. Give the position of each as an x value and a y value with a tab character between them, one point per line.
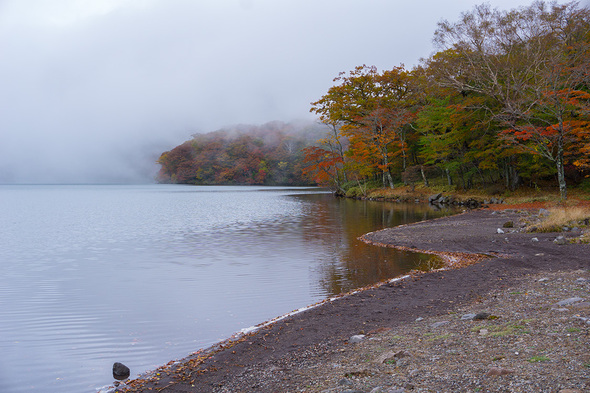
145	274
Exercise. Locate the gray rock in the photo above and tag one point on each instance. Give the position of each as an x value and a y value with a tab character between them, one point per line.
391	357
378	389
480	316
560	240
582	281
387	357
499	230
356	339
535	239
345	382
499	371
543	212
120	371
571	300
468	317
439	324
419	319
543	279
433	199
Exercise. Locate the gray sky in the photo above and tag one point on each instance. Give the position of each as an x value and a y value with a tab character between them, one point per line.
94	90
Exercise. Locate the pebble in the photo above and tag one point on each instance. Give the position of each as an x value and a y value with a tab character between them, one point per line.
439	324
357	339
345	382
535	239
499	230
543	279
468	317
499	371
587	320
571	300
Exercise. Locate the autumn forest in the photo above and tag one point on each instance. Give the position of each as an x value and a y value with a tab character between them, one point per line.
503	104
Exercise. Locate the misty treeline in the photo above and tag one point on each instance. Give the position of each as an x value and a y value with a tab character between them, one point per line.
505	102
270	154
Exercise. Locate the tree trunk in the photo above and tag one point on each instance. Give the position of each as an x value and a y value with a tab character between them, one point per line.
386	173
403	156
449	178
462	177
507	175
423	176
515	178
561	169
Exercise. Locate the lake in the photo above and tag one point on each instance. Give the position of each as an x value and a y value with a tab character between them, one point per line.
145	274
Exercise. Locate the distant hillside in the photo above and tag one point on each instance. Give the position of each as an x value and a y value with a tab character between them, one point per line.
268	154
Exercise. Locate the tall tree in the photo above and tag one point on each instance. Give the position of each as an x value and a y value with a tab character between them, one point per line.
373	109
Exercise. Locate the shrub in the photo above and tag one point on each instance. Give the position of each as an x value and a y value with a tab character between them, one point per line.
560	217
354	192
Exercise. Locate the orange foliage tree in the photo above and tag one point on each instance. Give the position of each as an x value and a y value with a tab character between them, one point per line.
372	109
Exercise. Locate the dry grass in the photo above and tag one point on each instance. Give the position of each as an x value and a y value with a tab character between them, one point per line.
559	217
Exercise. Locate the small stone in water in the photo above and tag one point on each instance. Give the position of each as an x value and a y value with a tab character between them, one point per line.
120	371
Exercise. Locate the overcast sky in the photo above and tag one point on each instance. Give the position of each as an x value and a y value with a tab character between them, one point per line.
94	90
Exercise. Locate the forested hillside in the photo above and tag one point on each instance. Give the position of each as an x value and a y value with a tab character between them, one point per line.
270	154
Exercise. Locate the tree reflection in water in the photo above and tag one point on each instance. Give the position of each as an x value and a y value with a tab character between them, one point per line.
350	263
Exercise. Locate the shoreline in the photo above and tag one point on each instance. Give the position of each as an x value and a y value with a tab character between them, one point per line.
466	238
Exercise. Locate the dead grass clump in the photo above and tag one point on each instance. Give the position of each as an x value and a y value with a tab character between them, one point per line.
563	216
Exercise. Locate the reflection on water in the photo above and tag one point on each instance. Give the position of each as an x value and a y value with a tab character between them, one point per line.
346	263
144	274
